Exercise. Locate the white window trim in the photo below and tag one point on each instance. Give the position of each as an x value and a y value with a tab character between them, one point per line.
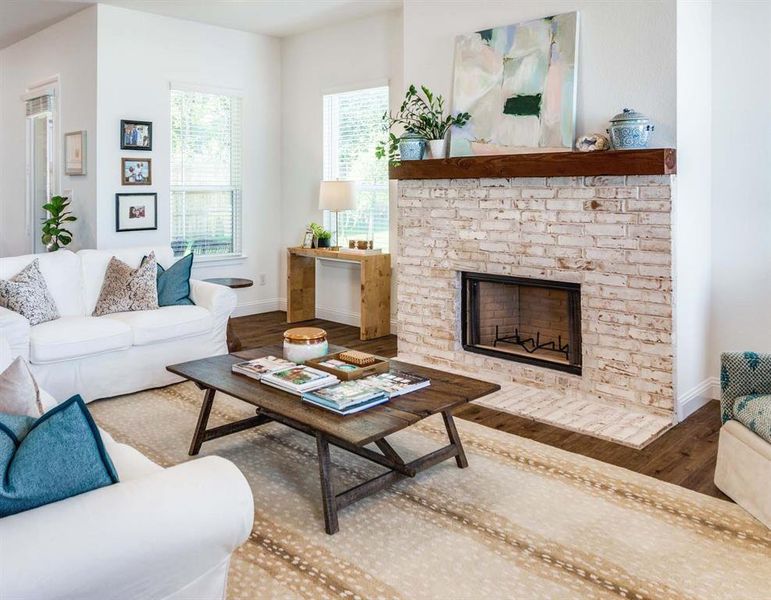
50	86
326	216
233	257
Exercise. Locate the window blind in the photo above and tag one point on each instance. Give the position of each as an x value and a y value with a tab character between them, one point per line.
40	104
205	173
352	128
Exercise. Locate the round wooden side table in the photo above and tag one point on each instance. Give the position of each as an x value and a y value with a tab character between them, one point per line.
234	343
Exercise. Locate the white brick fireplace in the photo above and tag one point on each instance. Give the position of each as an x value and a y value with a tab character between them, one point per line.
610	234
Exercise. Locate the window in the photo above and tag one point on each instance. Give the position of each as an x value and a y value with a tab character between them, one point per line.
205	174
40	108
352	128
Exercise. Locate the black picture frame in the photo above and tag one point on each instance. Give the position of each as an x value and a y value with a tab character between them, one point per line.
127	122
121	227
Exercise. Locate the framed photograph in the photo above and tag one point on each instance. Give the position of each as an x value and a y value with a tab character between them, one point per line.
136	135
75	153
308	239
136	212
136	171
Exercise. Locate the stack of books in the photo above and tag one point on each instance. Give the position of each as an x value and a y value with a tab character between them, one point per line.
261	366
299	379
354	396
347	397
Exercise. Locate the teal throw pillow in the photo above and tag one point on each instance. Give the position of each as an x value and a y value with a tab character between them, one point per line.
174	283
56	456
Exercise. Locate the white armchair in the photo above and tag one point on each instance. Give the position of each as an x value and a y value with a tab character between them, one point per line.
158	533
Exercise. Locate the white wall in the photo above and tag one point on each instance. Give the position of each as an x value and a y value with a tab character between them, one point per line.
691	206
352	54
741	183
134	74
626	52
67	50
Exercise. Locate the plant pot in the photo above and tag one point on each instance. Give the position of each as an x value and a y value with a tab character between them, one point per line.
437	148
412	146
324	243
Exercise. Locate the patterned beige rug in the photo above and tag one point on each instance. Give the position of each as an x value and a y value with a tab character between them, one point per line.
523	521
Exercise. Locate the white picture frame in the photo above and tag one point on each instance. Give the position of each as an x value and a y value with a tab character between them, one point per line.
75	153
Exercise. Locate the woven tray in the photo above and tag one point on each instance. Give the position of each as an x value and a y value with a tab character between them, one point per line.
381	365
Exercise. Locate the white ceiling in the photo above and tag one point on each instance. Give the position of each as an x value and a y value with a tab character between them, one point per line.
21	18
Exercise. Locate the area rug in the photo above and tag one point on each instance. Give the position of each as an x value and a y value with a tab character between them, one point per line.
524	521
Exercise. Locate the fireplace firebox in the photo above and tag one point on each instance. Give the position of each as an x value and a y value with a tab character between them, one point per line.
532	321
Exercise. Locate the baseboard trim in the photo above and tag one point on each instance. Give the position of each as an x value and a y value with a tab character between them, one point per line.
696	397
256	307
338	316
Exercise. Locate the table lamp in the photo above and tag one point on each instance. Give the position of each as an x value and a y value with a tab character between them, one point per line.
337	196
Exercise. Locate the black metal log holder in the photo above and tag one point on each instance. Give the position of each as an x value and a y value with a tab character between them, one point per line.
531	345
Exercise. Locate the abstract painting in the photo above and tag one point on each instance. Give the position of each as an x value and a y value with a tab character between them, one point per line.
518	82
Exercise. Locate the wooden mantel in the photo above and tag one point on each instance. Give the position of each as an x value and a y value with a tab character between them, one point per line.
651	161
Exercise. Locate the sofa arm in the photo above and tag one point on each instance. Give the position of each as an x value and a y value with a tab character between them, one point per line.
15	330
218	299
143	538
742	373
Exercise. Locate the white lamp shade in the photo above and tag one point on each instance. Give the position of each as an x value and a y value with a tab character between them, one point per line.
337	195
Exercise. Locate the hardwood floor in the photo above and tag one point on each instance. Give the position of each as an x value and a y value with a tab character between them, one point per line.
685	455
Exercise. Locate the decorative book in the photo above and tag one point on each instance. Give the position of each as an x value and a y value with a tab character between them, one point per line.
347	410
261	366
347	393
299	379
397	383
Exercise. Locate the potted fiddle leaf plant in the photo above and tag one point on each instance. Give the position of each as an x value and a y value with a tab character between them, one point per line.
55	235
423	118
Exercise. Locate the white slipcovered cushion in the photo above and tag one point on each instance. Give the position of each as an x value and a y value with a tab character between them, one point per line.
75	337
165	323
62	274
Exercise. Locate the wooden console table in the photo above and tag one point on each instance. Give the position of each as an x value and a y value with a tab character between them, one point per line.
375	287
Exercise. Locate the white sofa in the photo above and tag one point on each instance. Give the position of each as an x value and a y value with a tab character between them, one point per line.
99	357
159	533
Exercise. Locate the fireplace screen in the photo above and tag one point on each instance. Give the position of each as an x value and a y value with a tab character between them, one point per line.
526	320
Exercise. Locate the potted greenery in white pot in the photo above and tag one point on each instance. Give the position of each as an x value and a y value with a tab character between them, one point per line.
421	117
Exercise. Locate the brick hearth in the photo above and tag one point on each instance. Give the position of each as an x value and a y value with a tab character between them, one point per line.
611	234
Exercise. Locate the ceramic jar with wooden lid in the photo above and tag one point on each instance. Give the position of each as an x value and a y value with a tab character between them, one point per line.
304	343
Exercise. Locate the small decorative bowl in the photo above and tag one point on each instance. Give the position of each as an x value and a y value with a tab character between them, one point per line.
305	343
630	129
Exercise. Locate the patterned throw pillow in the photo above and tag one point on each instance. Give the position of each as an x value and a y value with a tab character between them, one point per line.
27	294
126	289
19	392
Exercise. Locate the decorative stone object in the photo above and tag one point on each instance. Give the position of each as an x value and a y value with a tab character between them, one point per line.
412	146
629	130
593	142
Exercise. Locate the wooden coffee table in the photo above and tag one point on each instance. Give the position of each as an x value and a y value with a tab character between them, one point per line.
352	433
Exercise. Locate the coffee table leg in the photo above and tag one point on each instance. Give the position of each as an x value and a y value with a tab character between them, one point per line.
327	493
203	419
452	433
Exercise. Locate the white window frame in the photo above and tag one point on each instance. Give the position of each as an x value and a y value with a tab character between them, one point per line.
327	220
49	87
237	255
